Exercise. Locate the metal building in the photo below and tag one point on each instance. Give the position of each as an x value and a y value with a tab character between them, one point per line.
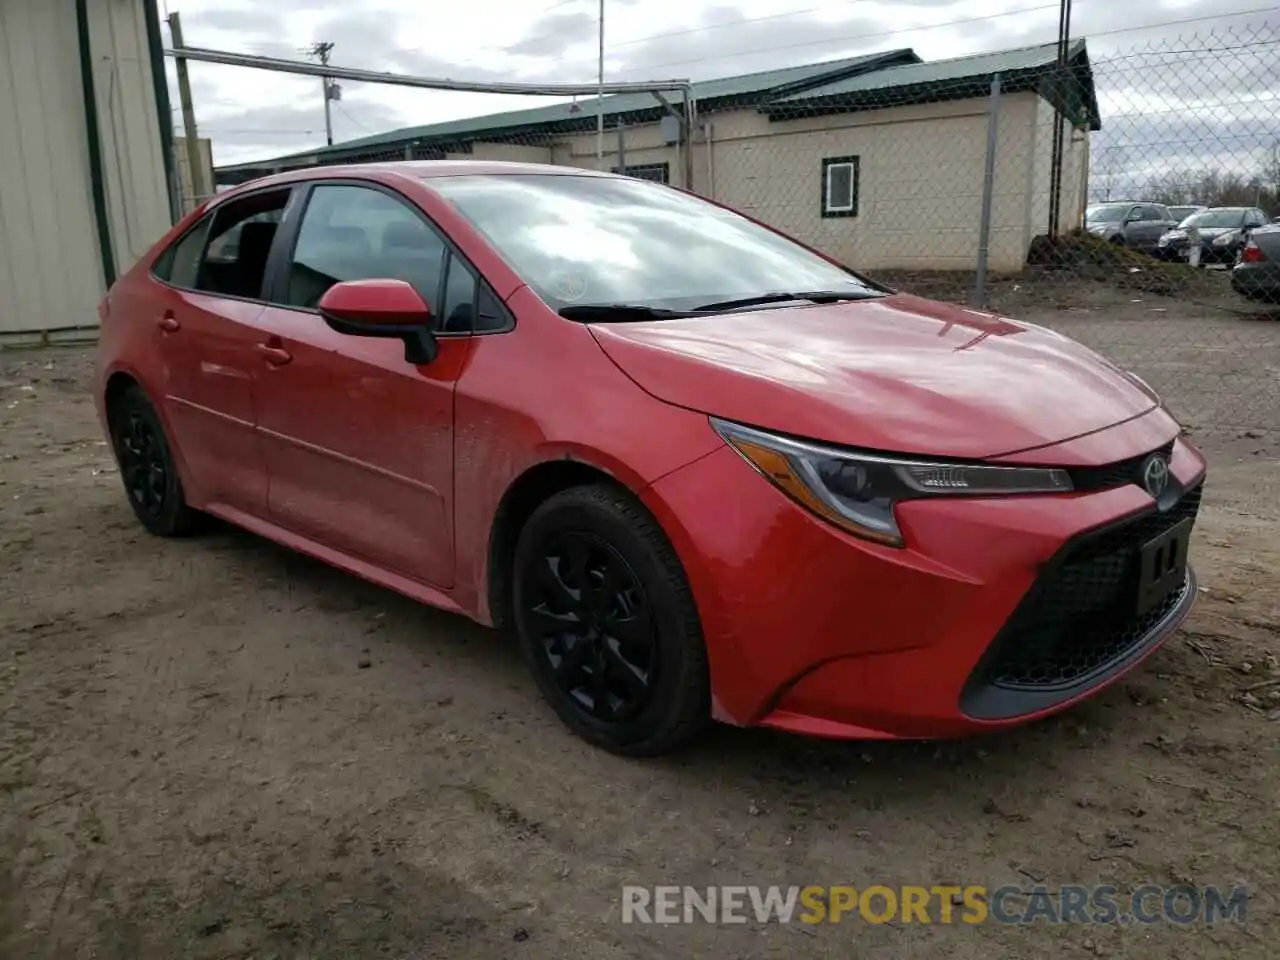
85	159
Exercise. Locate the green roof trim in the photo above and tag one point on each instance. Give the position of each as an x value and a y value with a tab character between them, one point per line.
1027	68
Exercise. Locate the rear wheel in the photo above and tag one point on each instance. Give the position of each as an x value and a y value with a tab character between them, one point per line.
147	467
607	622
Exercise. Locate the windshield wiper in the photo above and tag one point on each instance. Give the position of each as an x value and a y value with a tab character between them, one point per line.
619	312
786	296
635	312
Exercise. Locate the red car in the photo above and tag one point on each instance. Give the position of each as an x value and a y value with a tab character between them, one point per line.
701	470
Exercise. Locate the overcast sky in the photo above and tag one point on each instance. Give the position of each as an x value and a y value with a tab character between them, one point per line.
251	114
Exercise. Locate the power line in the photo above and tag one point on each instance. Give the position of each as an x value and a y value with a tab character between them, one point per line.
847	38
1201	52
949	23
259	132
343	110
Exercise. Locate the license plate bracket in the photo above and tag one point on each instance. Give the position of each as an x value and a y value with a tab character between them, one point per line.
1162	565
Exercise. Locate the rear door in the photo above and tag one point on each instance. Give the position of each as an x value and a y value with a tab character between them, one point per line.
359	442
1151	222
206	325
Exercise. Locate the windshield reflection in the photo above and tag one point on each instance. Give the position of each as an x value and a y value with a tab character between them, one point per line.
595	240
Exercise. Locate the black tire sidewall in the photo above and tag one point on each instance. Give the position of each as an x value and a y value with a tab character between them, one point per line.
175	517
628	529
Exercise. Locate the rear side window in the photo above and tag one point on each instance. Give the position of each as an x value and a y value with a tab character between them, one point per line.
240	238
180	263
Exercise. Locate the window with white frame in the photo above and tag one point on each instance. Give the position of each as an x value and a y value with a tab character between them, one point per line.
840	187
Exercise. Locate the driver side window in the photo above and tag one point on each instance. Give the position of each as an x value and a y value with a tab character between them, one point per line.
359	233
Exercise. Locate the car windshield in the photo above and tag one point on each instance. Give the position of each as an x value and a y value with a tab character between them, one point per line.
1107	213
588	240
1181	213
1215	218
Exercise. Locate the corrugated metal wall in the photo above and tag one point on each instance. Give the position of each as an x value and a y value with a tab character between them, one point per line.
51	273
137	193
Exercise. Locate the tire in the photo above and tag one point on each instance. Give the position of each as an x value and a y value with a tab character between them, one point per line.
147	467
607	623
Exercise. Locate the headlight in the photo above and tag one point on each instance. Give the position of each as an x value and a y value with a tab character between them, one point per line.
857	491
1225	239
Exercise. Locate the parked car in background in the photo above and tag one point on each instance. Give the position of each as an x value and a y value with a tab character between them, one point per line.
1257	275
1181	213
1134	224
1222	233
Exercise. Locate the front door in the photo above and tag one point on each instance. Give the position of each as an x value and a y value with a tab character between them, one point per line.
359	442
207	330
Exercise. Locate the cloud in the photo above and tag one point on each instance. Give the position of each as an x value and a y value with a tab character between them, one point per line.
1154	102
552	36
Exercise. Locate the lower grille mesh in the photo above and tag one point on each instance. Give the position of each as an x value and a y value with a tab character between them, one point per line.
1081	614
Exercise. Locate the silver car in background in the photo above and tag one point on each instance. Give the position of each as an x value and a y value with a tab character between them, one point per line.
1134	224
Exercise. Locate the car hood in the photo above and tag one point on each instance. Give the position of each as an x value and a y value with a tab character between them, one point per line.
898	373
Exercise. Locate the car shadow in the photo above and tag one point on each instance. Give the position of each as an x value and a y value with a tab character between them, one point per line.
789	768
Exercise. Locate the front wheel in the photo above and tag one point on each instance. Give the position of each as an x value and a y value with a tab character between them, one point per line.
147	467
607	622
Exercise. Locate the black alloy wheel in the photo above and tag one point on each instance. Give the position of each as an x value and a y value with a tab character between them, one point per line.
147	467
593	625
142	465
607	622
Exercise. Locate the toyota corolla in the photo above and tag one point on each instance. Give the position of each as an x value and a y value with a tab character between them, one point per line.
697	468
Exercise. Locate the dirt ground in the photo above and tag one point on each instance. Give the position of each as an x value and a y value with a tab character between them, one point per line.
217	748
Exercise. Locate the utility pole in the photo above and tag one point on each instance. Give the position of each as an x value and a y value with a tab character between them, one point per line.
600	96
195	169
1056	149
321	50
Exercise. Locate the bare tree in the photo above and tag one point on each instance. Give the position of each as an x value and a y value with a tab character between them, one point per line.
1107	171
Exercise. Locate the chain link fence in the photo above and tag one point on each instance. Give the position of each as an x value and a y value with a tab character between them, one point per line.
1044	183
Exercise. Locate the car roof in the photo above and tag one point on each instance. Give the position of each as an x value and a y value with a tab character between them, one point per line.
413	169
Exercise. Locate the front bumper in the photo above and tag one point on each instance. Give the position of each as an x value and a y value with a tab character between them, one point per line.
1179	249
814	631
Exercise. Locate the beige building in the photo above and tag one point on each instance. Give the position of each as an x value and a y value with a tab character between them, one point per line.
83	179
877	160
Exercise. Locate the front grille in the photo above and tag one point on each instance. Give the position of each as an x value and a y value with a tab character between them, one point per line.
1081	615
1116	474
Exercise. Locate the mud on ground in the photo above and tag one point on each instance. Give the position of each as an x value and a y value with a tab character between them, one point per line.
216	748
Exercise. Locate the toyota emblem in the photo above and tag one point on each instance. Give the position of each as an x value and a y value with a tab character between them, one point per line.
1155	474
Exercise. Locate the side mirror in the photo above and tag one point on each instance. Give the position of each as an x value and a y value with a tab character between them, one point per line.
382	308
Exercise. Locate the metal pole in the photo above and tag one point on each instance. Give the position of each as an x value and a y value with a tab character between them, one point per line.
689	126
622	150
1055	162
195	172
600	95
328	114
302	68
988	191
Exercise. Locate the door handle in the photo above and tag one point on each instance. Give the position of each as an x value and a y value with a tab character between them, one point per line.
169	323
276	356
